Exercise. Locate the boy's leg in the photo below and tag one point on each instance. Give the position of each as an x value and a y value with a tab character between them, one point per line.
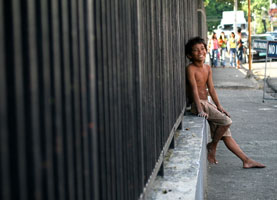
218	134
232	145
219	125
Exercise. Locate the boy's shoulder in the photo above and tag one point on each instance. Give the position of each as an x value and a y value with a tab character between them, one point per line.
193	67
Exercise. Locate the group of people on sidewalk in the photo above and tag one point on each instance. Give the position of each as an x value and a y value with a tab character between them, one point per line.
219	47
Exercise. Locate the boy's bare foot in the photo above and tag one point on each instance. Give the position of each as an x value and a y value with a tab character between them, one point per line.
252	164
211	153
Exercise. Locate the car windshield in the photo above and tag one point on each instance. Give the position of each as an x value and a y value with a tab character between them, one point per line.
228	27
262	37
273	33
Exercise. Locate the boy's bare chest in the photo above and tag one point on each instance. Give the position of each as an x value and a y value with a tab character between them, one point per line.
201	76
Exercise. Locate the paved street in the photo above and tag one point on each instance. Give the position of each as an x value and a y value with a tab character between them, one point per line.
258	68
254	128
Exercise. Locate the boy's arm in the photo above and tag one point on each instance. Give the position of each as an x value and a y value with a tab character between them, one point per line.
213	93
194	90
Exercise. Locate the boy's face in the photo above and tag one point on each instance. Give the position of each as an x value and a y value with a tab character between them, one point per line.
198	52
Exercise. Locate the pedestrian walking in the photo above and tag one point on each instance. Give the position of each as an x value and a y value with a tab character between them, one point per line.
223	48
214	49
240	49
232	49
199	76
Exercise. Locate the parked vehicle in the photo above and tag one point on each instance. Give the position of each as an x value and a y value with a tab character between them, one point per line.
228	20
273	34
258	47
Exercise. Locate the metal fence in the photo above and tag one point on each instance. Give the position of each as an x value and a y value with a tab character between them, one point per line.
90	94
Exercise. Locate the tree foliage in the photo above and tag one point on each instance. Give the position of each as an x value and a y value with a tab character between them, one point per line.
214	9
259	12
259	15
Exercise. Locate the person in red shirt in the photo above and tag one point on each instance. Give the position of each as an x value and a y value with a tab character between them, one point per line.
214	47
223	48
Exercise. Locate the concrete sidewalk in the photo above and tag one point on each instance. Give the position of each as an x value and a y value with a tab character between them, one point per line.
258	70
254	128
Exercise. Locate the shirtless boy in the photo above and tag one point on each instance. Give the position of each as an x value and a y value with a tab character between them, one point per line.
199	76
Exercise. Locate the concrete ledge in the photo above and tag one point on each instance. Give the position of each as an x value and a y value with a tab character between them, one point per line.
185	166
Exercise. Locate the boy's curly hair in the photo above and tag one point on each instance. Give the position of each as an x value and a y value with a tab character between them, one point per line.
192	42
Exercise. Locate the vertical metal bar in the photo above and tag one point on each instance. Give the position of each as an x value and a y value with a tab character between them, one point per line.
169	72
106	99
83	99
125	93
249	36
172	63
118	112
74	79
92	101
67	103
127	134
162	85
139	83
153	81
183	57
178	75
113	132
57	135
265	72
116	133
136	96
114	125
18	133
147	104
100	101
148	134
123	101
150	90
166	72
46	102
159	72
5	187
34	163
131	55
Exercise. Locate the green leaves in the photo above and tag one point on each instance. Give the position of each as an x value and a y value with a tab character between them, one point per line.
259	12
214	9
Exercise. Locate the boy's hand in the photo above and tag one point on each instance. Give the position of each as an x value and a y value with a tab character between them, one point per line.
202	114
223	111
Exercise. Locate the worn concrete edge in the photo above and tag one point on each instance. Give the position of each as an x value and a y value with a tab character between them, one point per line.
150	182
250	75
202	176
185	170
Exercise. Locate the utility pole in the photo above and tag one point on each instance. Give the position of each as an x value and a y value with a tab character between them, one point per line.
249	36
271	25
235	10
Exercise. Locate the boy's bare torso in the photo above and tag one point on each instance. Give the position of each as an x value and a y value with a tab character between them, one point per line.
201	75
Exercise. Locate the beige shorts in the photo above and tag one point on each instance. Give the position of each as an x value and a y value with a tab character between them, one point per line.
215	117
